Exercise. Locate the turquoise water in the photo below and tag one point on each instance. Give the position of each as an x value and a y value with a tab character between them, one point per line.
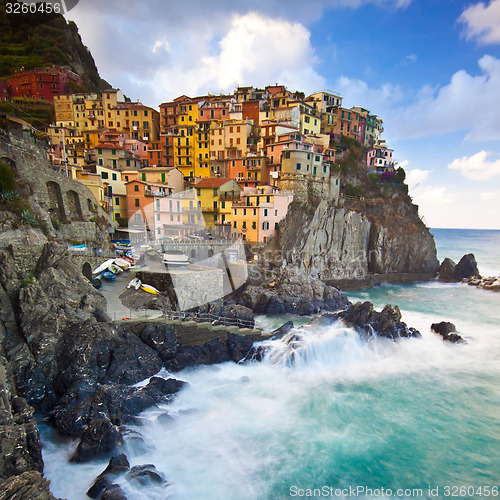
326	411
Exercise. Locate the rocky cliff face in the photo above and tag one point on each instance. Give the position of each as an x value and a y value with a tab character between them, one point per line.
352	241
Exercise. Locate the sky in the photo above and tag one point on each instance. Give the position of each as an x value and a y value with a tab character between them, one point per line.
429	68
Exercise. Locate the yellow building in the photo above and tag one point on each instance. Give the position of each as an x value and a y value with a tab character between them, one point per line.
211	193
95	184
115	192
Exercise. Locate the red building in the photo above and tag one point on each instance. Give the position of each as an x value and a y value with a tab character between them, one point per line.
43	83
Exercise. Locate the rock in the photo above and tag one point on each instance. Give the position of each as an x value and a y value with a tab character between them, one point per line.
239	346
113	492
447	271
448	330
466	267
365	320
282	330
443	328
98	439
293	292
145	475
29	485
161	338
117	464
100	484
490	283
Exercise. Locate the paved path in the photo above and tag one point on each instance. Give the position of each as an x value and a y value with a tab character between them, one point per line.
112	291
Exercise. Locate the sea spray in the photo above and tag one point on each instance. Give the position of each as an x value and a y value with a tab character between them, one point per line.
324	407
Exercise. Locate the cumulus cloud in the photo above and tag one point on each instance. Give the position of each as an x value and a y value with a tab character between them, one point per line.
491	195
454	107
437	196
416	176
256	50
476	167
155	48
482	22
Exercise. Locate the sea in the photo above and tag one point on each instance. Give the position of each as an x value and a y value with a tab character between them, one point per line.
329	415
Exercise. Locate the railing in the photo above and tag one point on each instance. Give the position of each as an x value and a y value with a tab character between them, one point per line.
212	318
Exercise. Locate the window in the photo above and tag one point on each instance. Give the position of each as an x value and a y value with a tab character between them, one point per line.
136	187
223	204
265	212
99	162
198	191
99	151
114	177
276	225
143	176
163	177
128	164
104	175
244	224
254	225
114	163
215	191
298	166
235	226
137	202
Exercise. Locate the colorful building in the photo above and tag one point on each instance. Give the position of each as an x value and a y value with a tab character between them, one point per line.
211	193
44	83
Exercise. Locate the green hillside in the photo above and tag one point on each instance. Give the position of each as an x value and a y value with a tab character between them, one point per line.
36	40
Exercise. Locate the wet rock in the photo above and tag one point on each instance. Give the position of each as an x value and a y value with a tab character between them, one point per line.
239	346
117	464
466	267
113	492
365	320
443	328
282	330
448	330
29	485
447	271
98	439
100	484
292	292
145	475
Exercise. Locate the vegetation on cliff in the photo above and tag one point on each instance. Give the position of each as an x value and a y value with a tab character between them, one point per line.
29	41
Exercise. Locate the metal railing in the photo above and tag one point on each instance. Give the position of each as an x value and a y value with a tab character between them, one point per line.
207	317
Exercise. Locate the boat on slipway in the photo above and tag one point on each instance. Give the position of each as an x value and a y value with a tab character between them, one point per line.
175	258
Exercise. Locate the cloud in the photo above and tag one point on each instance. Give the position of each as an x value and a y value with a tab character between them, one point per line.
436	196
358	93
155	48
491	195
255	50
416	176
468	103
476	167
482	22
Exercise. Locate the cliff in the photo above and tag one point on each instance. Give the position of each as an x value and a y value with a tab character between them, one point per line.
32	41
376	232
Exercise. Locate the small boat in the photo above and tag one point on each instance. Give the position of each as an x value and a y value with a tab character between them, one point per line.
136	269
175	258
150	289
103	266
135	283
115	269
122	263
108	275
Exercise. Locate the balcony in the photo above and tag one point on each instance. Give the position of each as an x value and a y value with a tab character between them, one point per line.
253	167
209	209
150	192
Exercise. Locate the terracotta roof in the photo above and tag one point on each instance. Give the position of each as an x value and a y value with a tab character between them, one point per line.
211	183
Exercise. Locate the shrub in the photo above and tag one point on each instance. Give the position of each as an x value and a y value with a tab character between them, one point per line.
7	181
352	190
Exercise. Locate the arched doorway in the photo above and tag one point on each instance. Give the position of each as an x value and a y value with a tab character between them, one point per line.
87	271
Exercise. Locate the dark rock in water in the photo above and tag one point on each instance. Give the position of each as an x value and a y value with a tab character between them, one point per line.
467	267
98	439
448	330
161	338
117	464
145	475
113	492
282	330
100	484
239	346
165	418
447	271
291	292
365	320
443	328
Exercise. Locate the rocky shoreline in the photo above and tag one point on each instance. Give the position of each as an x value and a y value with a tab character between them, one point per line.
62	356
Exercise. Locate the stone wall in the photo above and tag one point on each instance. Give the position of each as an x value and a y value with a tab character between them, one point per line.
307	186
55	194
